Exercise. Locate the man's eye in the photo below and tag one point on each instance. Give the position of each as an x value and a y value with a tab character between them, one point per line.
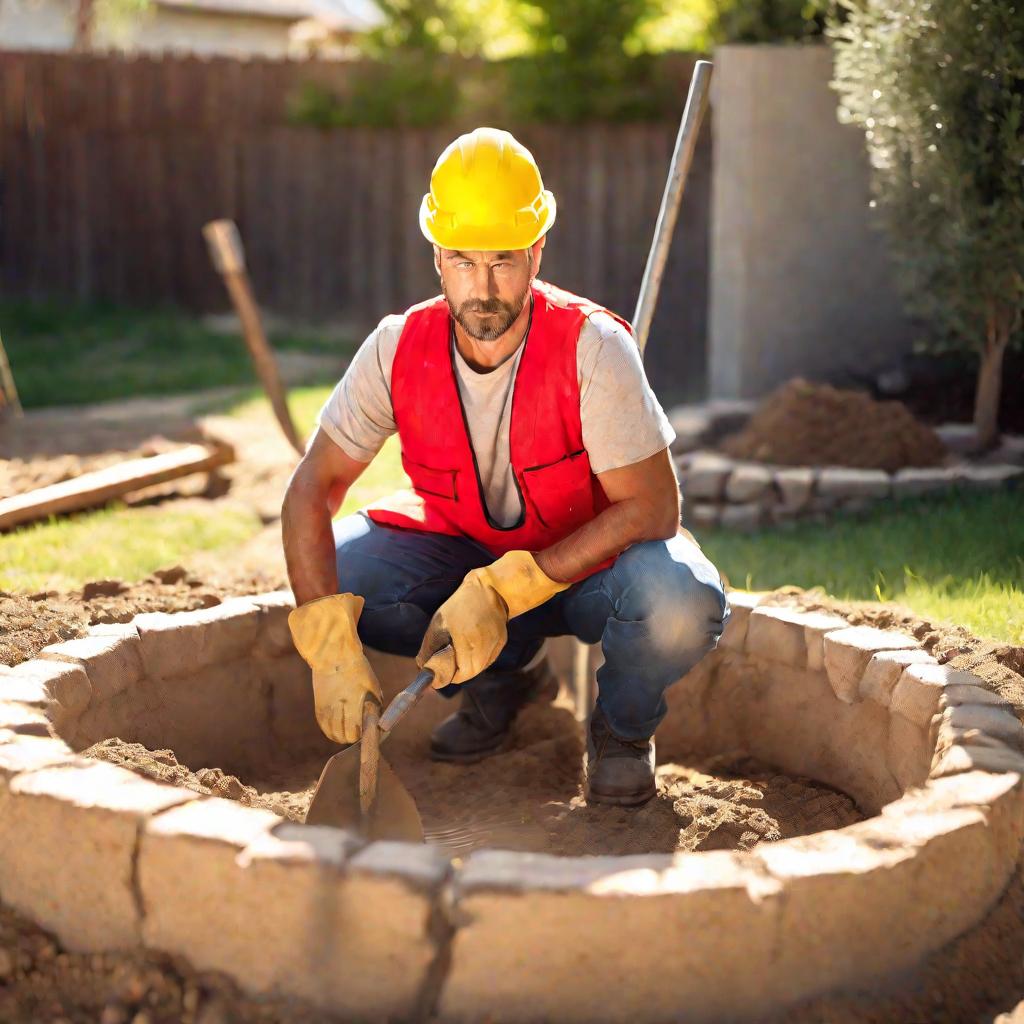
463	264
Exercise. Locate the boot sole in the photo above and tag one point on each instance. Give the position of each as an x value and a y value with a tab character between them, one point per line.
625	800
471	757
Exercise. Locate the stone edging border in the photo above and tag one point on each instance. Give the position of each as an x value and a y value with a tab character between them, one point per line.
109	860
745	495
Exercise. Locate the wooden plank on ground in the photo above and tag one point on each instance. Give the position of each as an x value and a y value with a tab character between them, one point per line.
91	489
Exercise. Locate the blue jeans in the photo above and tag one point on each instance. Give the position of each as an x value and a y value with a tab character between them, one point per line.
656	611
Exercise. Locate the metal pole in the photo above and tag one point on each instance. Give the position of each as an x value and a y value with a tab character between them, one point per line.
679	168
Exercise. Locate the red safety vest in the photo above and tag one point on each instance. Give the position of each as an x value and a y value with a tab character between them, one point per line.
552	471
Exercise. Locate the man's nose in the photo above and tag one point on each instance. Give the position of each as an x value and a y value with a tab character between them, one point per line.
484	284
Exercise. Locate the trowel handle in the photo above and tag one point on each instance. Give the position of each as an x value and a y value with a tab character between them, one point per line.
406	701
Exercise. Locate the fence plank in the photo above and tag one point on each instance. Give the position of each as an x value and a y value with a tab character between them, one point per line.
109	167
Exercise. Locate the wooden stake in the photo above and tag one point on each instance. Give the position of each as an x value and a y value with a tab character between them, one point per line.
8	392
229	261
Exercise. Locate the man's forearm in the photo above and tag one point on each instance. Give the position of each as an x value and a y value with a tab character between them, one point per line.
308	543
605	536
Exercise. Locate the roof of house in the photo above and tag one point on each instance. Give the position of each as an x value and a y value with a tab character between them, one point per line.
340	15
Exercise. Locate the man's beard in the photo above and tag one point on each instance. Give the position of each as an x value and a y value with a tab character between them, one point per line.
493	326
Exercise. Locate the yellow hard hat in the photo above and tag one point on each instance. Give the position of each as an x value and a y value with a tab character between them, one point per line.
486	193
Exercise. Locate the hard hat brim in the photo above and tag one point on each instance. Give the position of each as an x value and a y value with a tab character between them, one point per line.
488	237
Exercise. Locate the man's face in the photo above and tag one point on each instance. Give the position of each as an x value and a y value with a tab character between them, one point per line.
486	291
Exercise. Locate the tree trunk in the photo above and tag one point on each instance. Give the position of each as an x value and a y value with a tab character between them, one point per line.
998	327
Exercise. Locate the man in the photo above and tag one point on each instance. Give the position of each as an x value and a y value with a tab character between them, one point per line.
544	499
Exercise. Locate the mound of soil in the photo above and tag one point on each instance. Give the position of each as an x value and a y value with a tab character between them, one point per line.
806	424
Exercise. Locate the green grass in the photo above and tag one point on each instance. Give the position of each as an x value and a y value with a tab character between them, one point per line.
959	559
117	542
67	354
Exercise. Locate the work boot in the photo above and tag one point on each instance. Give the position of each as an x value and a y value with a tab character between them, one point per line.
618	771
489	705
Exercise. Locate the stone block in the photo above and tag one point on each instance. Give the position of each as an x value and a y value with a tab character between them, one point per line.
68	839
218	714
708	915
914	481
881	891
274	638
848	651
23	689
972	757
985	478
795	486
293	725
705	476
958	437
817	626
66	684
701	515
181	643
112	663
23	719
841	482
967	688
30	753
741	517
884	669
741	604
297	915
691	424
747	483
988	719
909	752
918	692
777	634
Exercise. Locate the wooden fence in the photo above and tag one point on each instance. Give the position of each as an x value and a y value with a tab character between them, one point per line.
109	168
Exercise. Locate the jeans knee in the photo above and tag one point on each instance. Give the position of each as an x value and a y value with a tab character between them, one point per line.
676	592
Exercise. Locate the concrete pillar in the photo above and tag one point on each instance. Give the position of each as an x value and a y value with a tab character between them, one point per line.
800	279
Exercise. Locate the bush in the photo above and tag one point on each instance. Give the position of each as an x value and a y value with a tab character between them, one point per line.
938	87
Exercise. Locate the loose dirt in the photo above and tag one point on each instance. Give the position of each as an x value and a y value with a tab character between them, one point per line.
805	424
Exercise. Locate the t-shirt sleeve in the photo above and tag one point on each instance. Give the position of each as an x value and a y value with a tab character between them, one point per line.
358	415
623	422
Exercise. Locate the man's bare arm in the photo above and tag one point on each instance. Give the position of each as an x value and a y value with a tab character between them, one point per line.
315	492
644	506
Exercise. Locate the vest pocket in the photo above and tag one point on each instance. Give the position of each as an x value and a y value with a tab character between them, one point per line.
438	483
560	491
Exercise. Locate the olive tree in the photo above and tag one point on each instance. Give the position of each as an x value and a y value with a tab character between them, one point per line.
938	87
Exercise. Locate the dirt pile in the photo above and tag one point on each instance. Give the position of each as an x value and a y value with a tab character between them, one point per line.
805	424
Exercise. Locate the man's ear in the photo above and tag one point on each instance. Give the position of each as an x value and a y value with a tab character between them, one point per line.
536	250
437	260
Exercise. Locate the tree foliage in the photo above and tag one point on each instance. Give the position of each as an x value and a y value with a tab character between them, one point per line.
938	87
769	21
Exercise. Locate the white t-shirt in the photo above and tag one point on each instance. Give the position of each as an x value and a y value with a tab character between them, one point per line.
622	420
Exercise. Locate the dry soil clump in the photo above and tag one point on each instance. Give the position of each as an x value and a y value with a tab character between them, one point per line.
805	424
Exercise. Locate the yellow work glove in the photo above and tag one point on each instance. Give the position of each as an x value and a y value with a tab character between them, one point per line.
324	632
474	620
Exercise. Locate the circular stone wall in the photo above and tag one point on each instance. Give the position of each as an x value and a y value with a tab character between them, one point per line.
108	860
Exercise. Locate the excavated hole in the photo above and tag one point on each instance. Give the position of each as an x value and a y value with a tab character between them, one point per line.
528	797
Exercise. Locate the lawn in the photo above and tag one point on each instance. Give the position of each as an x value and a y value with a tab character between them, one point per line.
957	559
67	354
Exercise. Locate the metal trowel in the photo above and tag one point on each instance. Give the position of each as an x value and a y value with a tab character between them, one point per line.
359	790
